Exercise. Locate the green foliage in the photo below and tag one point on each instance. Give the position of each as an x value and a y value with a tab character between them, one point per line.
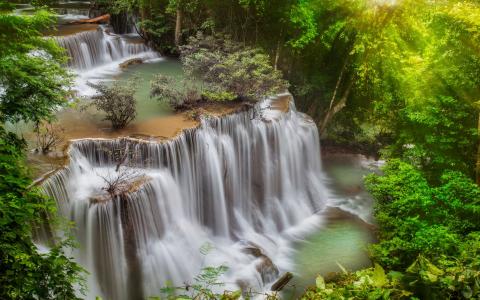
416	218
32	79
426	231
204	284
302	18
116	101
230	70
6	7
26	273
179	95
429	240
440	134
218	69
32	86
371	283
156	28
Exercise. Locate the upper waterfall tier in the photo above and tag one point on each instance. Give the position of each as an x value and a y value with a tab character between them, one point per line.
251	179
93	48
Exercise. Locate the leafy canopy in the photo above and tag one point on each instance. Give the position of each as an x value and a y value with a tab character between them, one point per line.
32	86
33	82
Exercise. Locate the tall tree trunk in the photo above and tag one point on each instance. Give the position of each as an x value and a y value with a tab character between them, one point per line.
178	27
278	49
334	109
477	167
339	105
277	54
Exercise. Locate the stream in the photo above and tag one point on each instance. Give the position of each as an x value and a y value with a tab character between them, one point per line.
248	189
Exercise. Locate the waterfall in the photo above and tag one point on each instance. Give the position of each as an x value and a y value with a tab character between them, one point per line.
250	180
95	55
92	48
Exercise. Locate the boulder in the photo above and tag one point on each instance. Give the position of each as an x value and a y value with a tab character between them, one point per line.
130	62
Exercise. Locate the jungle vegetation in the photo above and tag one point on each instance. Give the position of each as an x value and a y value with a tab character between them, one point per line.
396	78
32	87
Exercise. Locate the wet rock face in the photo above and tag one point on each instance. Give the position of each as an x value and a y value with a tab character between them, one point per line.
121	208
122	189
267	269
265	266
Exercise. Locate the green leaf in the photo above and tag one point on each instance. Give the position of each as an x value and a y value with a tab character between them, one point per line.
320	282
379	276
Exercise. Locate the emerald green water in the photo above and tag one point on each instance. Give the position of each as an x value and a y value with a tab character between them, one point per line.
146	106
342	242
344	238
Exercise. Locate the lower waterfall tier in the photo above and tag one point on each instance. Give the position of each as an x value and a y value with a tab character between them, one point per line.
247	184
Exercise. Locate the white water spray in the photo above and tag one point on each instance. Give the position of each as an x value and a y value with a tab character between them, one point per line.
240	182
97	54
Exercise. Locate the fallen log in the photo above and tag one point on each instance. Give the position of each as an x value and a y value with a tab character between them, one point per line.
97	20
281	282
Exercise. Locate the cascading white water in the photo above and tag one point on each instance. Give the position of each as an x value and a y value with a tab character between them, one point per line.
96	54
92	48
250	180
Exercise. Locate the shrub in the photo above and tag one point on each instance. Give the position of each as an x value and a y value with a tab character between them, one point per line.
429	240
218	69
167	89
417	218
48	135
25	273
230	69
117	101
371	283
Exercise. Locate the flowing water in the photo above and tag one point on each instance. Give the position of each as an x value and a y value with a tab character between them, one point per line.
347	228
251	180
99	47
97	54
95	51
249	187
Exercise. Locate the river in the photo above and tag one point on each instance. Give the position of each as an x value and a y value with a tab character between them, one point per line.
251	187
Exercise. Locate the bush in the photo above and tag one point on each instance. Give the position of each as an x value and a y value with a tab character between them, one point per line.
218	69
231	70
25	273
117	101
426	230
429	239
49	136
416	218
371	283
438	135
165	88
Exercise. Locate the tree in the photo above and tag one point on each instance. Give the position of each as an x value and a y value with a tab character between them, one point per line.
219	69
438	135
179	8
426	95
30	69
25	273
32	85
49	136
231	70
117	102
